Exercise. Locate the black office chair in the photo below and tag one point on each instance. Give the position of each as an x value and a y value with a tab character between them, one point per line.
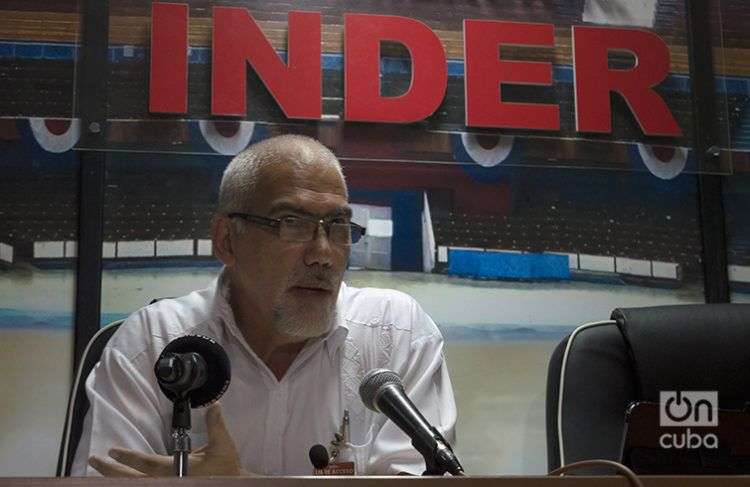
601	368
78	403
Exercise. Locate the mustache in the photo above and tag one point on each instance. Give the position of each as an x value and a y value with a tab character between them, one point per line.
317	279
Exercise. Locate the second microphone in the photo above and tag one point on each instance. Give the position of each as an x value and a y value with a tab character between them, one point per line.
381	390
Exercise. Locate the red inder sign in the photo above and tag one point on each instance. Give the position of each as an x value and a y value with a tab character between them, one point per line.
296	85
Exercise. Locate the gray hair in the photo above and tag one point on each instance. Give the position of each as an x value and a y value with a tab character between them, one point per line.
240	179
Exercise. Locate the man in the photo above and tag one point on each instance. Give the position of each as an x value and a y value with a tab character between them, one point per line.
298	338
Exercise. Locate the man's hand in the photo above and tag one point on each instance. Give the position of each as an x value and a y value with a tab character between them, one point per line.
218	457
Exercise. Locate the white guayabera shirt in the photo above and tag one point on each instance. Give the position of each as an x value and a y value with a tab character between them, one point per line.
274	423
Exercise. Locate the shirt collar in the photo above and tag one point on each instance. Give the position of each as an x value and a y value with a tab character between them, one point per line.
332	340
222	308
337	336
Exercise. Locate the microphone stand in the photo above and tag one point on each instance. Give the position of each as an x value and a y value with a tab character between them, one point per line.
181	436
182	374
441	459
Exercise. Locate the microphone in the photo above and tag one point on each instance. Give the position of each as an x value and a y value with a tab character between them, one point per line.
192	371
319	456
381	390
194	366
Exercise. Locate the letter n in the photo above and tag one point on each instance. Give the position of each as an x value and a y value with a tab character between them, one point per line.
237	40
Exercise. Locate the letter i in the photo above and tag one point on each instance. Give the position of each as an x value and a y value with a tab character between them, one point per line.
169	47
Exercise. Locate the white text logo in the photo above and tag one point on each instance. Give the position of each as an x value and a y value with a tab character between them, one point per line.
689	409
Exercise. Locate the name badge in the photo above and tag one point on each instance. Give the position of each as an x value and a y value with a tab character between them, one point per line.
337	468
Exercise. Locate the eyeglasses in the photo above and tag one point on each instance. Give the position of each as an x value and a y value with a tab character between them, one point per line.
301	229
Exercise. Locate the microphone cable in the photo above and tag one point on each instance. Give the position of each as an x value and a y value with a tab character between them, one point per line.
621	469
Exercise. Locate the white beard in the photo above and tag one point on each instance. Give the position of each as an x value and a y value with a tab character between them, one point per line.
301	322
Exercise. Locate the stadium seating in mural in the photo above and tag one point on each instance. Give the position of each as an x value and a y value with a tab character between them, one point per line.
481	189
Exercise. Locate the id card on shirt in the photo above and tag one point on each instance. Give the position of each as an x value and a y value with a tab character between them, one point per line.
338	468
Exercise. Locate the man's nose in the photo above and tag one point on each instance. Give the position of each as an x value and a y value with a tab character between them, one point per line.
319	249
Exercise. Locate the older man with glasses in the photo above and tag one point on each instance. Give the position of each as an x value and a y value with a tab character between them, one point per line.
299	339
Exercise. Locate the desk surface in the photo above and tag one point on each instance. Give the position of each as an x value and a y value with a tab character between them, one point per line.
571	481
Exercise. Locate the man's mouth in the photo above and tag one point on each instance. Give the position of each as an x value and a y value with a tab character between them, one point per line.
312	290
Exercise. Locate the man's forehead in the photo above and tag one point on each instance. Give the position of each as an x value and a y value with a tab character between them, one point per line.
311	188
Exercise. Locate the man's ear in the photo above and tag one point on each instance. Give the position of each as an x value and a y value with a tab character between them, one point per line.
221	237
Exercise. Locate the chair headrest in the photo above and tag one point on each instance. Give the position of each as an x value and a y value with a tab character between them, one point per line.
690	347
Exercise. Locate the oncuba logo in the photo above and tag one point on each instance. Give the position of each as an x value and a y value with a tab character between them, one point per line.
688	409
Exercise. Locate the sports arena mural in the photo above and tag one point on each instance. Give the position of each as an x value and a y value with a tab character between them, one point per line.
510	237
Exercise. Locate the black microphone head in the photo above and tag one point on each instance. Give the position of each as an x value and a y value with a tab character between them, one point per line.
218	369
374	382
319	456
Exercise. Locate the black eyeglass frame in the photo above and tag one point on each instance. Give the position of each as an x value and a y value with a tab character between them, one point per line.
356	231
